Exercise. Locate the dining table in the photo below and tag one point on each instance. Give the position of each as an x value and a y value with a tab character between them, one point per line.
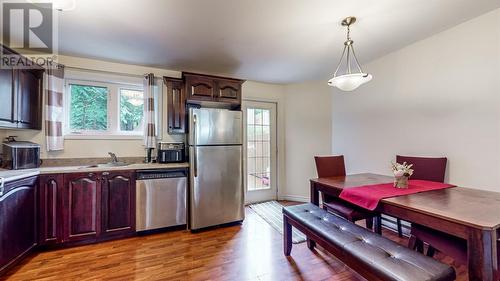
471	214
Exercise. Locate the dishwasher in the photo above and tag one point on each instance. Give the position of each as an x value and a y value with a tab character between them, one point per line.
160	198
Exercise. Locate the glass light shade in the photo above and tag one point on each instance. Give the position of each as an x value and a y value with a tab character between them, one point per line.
350	82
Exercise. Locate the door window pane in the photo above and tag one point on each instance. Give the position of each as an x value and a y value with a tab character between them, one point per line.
88	108
131	110
258	149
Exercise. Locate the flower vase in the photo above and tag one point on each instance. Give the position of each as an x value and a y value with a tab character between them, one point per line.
401	182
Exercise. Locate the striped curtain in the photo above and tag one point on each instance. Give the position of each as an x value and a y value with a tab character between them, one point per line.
54	114
149	111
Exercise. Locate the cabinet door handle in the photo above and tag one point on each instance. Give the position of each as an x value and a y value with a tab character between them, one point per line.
195	156
105	173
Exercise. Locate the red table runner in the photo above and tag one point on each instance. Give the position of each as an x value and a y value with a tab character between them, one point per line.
368	196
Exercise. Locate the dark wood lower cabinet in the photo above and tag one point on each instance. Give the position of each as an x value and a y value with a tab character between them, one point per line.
63	210
18	213
118	204
81	207
86	207
49	215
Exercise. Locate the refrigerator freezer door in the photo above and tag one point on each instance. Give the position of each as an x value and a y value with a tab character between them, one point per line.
216	191
212	126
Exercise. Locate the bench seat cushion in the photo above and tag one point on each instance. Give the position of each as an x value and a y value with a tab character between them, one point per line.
386	257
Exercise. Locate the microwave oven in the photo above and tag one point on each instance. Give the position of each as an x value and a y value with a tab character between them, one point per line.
19	155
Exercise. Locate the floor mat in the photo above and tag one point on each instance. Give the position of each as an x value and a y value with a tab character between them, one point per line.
271	212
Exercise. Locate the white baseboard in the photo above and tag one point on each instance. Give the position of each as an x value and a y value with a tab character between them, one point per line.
294	198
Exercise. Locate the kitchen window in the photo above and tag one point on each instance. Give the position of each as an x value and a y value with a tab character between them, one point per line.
88	108
131	110
109	110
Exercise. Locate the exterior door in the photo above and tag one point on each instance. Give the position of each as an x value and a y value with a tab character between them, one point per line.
260	165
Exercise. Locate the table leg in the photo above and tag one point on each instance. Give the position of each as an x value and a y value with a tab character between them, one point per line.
315	200
482	254
287	236
314	194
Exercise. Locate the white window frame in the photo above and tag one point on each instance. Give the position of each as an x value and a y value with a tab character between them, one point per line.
113	106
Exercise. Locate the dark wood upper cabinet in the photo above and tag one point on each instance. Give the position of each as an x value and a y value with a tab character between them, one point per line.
207	88
228	91
21	92
176	105
49	215
30	89
8	98
199	87
118	203
81	207
18	209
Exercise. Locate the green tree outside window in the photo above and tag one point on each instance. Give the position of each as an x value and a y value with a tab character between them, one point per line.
89	108
131	110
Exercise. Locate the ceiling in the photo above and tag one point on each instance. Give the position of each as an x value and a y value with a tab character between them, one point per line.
278	41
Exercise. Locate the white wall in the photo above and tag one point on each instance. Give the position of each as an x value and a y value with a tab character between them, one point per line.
437	97
308	133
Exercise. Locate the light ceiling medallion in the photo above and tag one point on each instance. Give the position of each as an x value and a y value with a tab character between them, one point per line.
349	81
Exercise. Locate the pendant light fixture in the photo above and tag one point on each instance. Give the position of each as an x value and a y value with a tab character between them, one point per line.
350	80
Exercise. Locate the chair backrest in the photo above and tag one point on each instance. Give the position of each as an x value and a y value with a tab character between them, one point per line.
426	168
330	166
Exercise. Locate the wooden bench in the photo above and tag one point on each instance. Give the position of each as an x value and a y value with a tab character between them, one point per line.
371	255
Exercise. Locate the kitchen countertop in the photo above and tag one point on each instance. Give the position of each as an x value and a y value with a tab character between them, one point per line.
11	175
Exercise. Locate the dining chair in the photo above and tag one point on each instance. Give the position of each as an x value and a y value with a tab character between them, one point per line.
334	166
424	168
448	244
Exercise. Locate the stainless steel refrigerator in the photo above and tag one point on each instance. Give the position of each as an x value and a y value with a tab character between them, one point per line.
216	176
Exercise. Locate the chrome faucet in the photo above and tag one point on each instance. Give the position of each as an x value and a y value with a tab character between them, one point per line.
114	159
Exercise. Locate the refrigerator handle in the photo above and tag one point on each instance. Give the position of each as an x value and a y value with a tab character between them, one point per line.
195	157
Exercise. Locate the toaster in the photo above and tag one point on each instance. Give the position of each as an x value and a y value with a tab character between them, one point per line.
170	152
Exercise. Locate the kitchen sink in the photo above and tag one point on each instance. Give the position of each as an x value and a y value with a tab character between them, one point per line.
107	165
114	163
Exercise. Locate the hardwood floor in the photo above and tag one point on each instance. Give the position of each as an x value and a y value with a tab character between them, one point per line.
252	251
